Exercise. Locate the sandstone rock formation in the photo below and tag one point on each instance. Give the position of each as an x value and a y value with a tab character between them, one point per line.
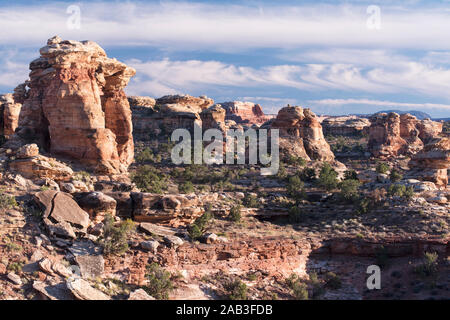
9	114
76	107
213	117
433	162
139	101
346	126
191	103
392	134
301	134
245	112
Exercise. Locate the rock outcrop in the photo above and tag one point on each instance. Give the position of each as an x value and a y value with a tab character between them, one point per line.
213	118
345	126
192	104
245	112
433	162
301	134
393	135
76	107
9	114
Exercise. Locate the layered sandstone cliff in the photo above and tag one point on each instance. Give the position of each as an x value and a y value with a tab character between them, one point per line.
393	135
301	134
245	112
76	106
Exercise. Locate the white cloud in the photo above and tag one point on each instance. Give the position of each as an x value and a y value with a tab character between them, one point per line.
14	67
183	26
378	103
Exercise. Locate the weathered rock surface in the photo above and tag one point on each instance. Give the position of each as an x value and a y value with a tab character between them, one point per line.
9	114
91	266
138	101
61	207
76	106
245	112
213	118
140	295
82	290
301	134
433	162
97	204
193	104
392	134
345	126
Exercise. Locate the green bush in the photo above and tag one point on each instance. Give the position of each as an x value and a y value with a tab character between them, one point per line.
236	290
7	202
429	266
397	190
363	206
295	161
282	173
382	168
350	175
295	188
235	213
327	177
395	175
186	187
115	238
299	289
159	282
296	215
349	189
333	281
409	193
307	175
198	228
145	155
251	201
149	179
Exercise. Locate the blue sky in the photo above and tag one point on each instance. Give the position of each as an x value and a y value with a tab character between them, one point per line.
327	55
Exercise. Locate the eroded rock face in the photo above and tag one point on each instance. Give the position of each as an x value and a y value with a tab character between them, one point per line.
9	114
245	112
432	163
346	126
301	134
76	106
393	135
192	104
213	118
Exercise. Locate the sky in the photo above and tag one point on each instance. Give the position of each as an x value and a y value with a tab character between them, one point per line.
336	57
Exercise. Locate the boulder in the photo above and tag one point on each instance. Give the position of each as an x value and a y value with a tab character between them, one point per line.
141	295
82	290
97	204
91	266
60	207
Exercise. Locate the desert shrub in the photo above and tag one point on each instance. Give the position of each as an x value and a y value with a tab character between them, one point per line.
349	190
316	285
350	175
145	155
235	213
396	190
282	173
327	177
295	161
159	282
236	290
363	206
83	176
382	167
395	175
7	202
186	187
149	179
15	267
429	266
251	201
298	287
296	215
332	281
295	188
198	228
307	175
378	195
115	238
